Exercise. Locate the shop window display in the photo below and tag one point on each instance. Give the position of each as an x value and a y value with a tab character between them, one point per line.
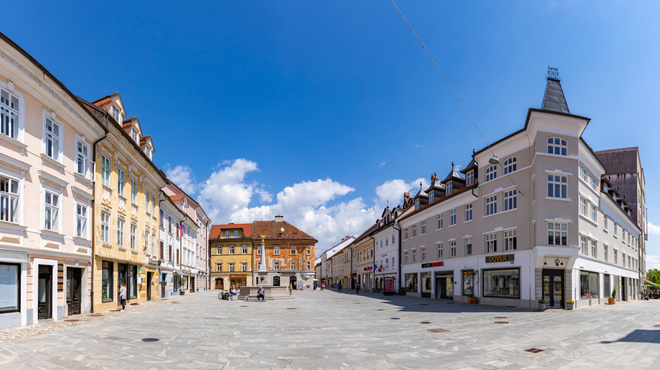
411	283
588	285
468	282
502	283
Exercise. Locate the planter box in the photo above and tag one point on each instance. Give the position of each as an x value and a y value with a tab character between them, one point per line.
569	306
611	301
542	306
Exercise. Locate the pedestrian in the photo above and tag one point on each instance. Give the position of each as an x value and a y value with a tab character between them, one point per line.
122	296
323	285
290	289
339	286
261	294
357	288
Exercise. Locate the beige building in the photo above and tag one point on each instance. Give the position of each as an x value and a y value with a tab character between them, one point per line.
46	193
532	217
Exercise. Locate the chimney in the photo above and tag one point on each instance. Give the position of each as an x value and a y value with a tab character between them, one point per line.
279	218
342	240
347	236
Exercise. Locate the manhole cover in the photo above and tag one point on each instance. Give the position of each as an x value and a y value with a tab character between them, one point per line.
134	304
290	308
424	304
71	320
150	339
243	306
438	330
394	318
380	309
533	350
425	322
501	322
500	317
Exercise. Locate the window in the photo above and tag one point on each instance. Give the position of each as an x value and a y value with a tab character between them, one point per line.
510	240
277	265
414	231
135	135
605	252
9	112
557	234
405	234
52	139
440	221
605	223
414	256
593	182
51	211
468	283
9	199
448	187
615	230
452	217
592	212
510	165
557	145
423	228
309	265
469	178
387	240
231	266
491	205
502	283
417	204
623	257
106	281
309	250
293	251
615	259
115	112
557	186
146	202
218	267
153	202
235	233
583	245
106	169
491	243
231	249
452	248
243	266
121	182
293	265
588	285
10	276
423	253
134	237
594	252
105	227
583	206
259	251
468	246
583	173
411	283
226	234
491	173
405	257
431	199
82	159
134	191
244	249
170	254
81	221
468	212
132	281
146	241
510	200
276	251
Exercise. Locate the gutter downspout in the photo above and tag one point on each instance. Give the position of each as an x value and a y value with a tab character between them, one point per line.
91	294
397	227
374	263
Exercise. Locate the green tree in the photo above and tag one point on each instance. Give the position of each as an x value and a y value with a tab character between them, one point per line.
654	275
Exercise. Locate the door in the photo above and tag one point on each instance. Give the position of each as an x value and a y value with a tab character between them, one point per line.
163	286
449	288
73	290
149	285
219	284
553	288
438	288
45	292
121	279
192	284
294	282
622	289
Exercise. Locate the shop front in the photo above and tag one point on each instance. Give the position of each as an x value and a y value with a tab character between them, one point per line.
444	285
553	288
411	282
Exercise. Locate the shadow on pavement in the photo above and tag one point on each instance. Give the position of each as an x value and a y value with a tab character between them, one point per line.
639	336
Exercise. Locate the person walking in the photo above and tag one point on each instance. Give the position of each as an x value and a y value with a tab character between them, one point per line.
290	289
339	286
261	294
357	288
122	296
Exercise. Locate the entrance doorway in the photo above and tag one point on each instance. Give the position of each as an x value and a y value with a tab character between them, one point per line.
121	279
149	275
45	293
73	290
553	288
622	289
219	283
444	287
163	286
192	284
294	282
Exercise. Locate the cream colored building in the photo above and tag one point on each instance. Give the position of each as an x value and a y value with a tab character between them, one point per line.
46	193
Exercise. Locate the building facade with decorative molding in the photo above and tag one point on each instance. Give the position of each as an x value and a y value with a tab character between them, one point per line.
232	256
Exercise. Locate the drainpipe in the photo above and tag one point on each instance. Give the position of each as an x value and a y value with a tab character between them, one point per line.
105	135
374	262
397	227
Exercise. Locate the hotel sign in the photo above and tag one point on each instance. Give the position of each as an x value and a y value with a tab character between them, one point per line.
433	264
500	258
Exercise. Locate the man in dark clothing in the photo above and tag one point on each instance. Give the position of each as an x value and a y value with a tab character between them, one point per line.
261	294
357	288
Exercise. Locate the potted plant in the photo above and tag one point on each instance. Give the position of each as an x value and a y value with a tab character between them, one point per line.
612	298
569	304
469	298
542	303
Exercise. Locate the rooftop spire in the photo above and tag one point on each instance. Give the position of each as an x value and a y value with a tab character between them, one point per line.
553	98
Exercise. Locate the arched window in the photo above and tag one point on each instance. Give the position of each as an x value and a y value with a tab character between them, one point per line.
491	173
510	165
276	281
557	145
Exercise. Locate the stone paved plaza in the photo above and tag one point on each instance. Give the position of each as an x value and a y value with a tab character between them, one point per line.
330	330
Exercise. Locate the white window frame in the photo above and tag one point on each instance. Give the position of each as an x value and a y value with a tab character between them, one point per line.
469	178
594	248
468	246
423	229
491	205
511	200
106	172
584	245
468	212
133	237
8	110
55	139
558	229
81	220
121	182
293	265
593	212
232	266
414	231
452	248
510	165
276	251
432	197
441	222
243	266
452	217
558	146
583	206
491	173
559	186
605	252
449	187
582	172
244	248
134	192
276	265
491	243
423	253
83	154
55	225
105	228
510	240
6	198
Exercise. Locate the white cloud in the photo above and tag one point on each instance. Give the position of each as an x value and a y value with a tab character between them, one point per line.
384	162
652	262
653	229
393	190
182	176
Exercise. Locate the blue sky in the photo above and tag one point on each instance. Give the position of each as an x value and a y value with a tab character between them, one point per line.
326	110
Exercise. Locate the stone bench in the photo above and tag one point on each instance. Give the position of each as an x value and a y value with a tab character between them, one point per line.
249	293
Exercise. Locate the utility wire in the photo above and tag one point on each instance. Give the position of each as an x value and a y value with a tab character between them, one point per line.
453	91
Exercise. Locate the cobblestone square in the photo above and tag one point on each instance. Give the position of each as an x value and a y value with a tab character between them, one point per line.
330	330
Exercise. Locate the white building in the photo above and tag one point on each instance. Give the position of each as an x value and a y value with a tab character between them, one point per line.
387	242
327	272
531	217
171	218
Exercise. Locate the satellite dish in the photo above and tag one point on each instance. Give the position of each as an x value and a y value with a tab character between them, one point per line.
282	229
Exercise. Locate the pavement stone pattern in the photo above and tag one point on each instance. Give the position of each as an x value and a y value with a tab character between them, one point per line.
331	330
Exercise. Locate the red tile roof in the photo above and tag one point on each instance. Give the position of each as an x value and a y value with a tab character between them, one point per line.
216	230
272	230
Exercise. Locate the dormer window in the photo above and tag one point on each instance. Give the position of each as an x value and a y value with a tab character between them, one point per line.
449	187
416	204
432	197
135	135
115	113
469	178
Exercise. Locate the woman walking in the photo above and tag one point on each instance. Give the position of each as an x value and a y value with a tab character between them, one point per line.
122	296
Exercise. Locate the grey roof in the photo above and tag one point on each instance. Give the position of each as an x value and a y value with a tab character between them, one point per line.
453	174
421	192
553	98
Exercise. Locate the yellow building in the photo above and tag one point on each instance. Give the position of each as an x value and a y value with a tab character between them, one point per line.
231	255
126	209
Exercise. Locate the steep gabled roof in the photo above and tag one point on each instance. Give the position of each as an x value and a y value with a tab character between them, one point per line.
273	229
216	230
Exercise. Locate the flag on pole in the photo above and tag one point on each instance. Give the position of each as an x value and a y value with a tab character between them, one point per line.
181	231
